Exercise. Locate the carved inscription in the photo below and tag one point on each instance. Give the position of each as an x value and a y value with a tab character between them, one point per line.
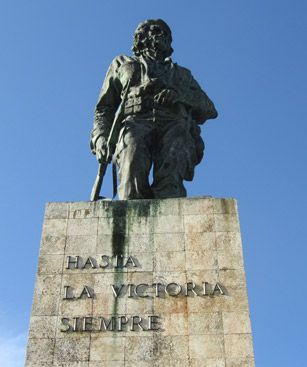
114	323
117	323
103	262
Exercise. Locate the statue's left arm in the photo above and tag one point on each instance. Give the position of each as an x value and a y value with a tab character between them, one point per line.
203	108
191	95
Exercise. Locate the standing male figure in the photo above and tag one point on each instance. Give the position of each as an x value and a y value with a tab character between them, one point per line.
160	107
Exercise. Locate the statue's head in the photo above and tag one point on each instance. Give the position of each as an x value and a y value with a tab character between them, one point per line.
153	38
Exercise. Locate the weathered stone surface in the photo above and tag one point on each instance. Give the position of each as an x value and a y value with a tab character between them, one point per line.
170	241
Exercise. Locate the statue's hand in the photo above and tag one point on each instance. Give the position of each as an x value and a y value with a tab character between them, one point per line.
167	97
101	149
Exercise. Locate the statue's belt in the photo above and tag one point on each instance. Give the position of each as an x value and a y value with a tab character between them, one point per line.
143	105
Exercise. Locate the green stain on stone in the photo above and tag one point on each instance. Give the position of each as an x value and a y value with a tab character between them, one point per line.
124	215
118	218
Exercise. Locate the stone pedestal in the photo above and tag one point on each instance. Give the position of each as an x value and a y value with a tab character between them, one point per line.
141	283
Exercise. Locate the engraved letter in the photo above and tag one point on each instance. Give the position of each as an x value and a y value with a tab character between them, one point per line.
66	325
87	324
136	290
122	320
136	323
130	262
130	290
153	323
104	325
119	261
117	290
206	289
106	259
90	262
190	288
218	289
87	292
75	325
156	285
72	262
173	292
68	292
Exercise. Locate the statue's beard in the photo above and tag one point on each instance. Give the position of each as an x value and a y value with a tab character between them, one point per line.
156	51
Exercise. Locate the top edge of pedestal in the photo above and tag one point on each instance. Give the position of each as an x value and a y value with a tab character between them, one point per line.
201	205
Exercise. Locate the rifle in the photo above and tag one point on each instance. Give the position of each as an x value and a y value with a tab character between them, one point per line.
111	144
98	182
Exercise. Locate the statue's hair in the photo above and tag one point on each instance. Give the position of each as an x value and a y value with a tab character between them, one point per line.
139	40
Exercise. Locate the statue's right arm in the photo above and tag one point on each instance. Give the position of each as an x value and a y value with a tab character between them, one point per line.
108	102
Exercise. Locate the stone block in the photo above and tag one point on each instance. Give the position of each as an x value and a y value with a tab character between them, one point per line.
230	259
79	245
238	346
228	241
54	227
206	346
168	224
197	206
50	264
236	322
165	207
233	278
171	261
112	226
82	227
43	327
200	241
105	243
170	305
226	223
201	260
40	350
52	245
56	210
83	209
199	223
206	275
107	348
139	348
72	349
179	347
164	242
46	296
225	206
205	323
175	324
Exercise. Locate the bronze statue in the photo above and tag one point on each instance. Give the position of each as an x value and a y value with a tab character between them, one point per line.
148	115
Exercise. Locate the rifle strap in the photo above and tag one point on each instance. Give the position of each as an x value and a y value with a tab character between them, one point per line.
114	175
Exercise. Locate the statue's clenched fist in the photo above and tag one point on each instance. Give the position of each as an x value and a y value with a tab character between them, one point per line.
101	149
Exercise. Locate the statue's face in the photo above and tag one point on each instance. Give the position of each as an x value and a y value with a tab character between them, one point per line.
158	42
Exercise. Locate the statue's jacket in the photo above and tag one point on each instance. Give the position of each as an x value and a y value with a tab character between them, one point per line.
131	84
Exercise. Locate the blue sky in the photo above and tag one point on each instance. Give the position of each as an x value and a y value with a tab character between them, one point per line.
249	56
